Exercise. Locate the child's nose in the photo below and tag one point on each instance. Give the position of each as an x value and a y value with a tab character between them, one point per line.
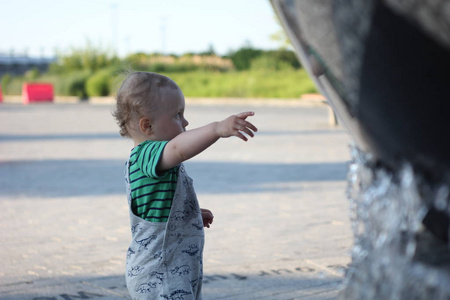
186	123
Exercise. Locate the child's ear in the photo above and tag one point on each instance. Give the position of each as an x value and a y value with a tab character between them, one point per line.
145	125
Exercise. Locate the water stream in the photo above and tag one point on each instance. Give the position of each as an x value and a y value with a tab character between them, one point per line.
394	255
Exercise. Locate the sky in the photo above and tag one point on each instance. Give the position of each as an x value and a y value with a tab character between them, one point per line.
45	27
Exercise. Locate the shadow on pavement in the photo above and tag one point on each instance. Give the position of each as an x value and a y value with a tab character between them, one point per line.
282	284
67	288
69	178
115	135
65	136
235	177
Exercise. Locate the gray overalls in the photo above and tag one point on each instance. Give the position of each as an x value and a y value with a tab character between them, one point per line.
165	260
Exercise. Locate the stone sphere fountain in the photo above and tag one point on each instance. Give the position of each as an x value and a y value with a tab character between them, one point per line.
384	67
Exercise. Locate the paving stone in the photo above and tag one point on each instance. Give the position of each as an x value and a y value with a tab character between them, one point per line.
281	229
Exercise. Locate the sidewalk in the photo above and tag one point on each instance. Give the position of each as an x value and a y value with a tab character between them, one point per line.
281	227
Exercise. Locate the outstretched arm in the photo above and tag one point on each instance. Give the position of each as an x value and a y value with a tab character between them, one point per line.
190	143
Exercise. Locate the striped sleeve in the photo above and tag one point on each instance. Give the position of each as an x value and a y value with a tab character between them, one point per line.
149	155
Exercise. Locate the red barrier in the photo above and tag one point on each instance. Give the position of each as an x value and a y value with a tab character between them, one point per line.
1	95
37	92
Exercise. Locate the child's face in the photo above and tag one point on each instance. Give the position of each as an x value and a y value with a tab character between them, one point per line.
170	120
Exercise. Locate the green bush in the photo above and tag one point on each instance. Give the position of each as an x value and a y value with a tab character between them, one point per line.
12	85
68	84
286	56
186	63
99	84
243	57
269	63
5	82
76	84
248	72
164	67
32	75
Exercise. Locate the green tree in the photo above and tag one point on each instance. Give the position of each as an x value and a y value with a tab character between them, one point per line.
243	57
88	58
281	37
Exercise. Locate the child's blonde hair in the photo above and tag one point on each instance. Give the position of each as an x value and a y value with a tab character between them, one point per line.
138	96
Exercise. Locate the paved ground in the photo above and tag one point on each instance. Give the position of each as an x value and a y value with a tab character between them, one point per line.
281	228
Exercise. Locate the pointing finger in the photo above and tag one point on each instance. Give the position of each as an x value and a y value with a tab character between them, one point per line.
244	115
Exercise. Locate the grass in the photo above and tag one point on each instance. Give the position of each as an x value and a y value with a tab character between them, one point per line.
246	84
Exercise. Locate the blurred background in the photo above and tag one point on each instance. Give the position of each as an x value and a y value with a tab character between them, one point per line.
210	48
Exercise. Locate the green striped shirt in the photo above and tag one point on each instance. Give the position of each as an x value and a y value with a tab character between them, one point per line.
151	193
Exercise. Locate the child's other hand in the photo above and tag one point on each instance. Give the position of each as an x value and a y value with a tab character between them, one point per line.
235	125
207	217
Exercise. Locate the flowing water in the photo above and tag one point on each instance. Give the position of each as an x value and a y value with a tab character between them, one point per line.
394	255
